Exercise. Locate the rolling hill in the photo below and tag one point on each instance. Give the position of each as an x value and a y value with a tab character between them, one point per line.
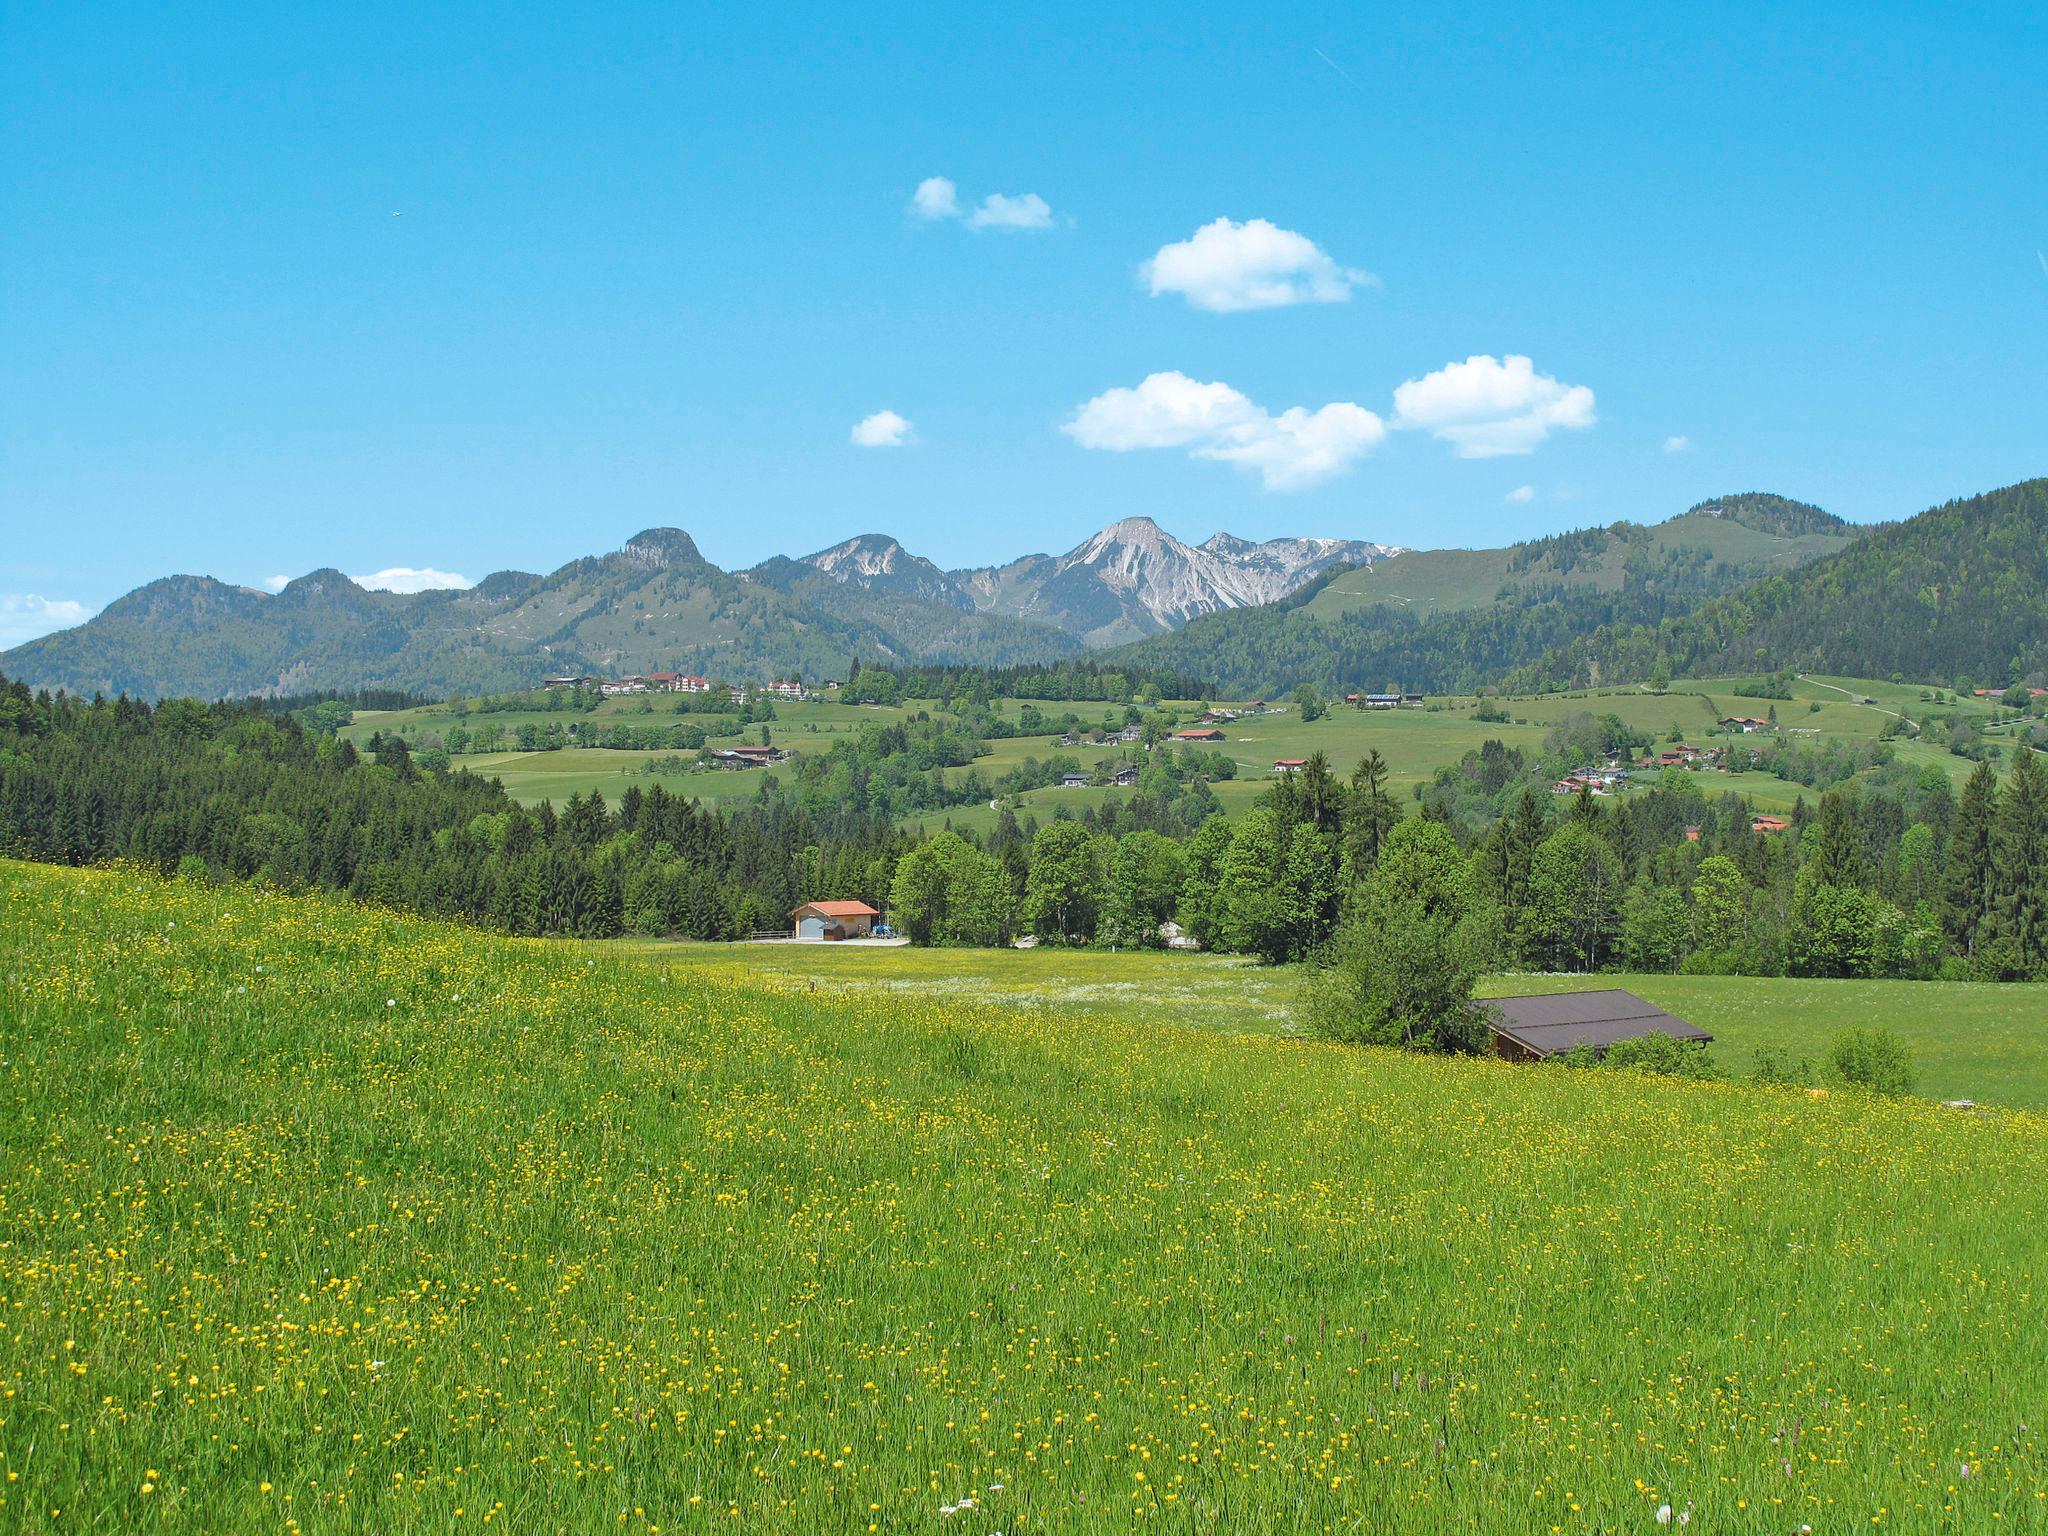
1717	545
1444	620
1960	591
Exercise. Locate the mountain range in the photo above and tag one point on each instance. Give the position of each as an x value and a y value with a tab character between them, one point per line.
657	604
1739	583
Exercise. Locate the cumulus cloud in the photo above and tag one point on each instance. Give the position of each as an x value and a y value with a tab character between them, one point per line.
1292	451
28	615
1030	211
410	578
1488	406
938	198
1521	493
1678	444
1225	267
884	429
276	583
935	198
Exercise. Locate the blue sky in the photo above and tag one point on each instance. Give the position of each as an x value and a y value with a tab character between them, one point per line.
498	286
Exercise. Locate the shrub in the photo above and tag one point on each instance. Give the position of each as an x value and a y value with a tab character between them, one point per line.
1874	1060
1662	1055
1775	1067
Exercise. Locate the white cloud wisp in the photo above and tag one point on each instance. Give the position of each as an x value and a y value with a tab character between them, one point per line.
26	616
412	578
1225	267
884	429
1486	407
1292	451
938	198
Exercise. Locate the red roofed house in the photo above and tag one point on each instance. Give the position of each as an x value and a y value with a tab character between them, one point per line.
1768	824
1289	764
833	920
1198	735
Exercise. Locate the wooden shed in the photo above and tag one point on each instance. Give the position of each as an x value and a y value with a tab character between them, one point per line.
1549	1024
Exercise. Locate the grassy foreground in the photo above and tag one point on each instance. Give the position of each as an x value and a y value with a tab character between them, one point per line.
314	1218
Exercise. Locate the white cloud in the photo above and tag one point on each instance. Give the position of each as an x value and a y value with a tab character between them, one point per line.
1678	444
276	583
1487	406
1294	450
938	198
409	578
884	429
1226	267
1521	493
935	198
27	615
999	212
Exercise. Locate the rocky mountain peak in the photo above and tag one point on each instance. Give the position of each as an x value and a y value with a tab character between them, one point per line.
658	547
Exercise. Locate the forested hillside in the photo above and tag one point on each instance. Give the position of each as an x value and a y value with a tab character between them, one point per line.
1959	592
1456	619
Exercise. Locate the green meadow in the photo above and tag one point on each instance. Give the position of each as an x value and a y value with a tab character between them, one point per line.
316	1218
1967	1040
1414	741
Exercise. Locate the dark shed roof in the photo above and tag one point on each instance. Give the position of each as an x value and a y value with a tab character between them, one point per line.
1557	1021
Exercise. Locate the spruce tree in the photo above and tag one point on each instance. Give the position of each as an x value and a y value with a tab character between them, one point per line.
2019	860
1966	887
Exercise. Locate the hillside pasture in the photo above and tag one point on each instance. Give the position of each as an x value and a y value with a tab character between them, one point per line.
326	1219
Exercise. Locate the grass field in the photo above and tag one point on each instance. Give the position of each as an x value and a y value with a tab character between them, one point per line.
317	1219
1415	742
1968	1041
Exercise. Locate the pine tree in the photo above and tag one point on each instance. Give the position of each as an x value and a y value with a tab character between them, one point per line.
2019	859
1371	815
1967	890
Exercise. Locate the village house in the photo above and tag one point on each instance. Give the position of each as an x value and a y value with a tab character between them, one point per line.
1126	776
1289	764
1075	781
1745	725
793	691
1204	735
826	921
624	685
1769	824
745	757
569	682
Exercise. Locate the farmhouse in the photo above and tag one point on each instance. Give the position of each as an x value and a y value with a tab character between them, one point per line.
1531	1028
1074	781
1126	775
833	920
1374	700
1205	735
745	757
1289	764
569	682
1768	824
1747	725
